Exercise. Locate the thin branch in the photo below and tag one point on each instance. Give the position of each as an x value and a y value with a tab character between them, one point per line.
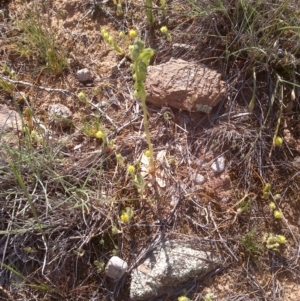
20	82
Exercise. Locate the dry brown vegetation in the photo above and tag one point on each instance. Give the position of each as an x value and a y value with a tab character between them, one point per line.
62	196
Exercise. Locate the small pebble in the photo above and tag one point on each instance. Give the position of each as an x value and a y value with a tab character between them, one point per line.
116	268
60	115
84	75
219	165
199	179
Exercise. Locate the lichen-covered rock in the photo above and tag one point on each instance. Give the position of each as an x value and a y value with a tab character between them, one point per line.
60	115
10	125
170	264
9	120
184	85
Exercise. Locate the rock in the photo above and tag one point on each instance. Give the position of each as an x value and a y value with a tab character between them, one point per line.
116	268
9	120
184	85
10	125
198	179
60	115
84	75
167	266
219	165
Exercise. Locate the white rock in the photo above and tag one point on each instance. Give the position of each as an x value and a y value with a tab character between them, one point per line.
9	120
116	268
84	75
59	114
169	265
219	165
10	125
199	179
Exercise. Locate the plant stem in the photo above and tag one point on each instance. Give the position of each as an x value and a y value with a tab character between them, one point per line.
149	11
147	132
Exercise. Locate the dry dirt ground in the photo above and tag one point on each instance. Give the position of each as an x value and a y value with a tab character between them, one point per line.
224	209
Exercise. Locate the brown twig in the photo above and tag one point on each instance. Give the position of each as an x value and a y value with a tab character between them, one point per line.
20	82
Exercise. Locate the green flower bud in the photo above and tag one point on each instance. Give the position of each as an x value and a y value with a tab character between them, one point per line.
81	96
104	34
277	214
278	141
164	29
99	135
110	40
133	33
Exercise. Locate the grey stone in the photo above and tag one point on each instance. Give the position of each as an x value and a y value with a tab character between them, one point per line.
60	115
219	165
168	265
199	179
84	75
10	125
9	119
184	85
116	268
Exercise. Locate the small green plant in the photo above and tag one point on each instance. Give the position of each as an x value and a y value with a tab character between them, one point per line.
119	11
272	205
244	206
115	230
82	96
120	160
141	57
274	242
147	153
28	117
163	6
111	41
251	243
126	215
164	30
133	33
278	141
7	70
93	129
99	264
38	40
278	214
131	170
36	137
29	250
122	34
7	87
137	178
266	191
149	11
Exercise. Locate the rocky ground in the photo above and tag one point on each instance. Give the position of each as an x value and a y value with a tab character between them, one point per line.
67	198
